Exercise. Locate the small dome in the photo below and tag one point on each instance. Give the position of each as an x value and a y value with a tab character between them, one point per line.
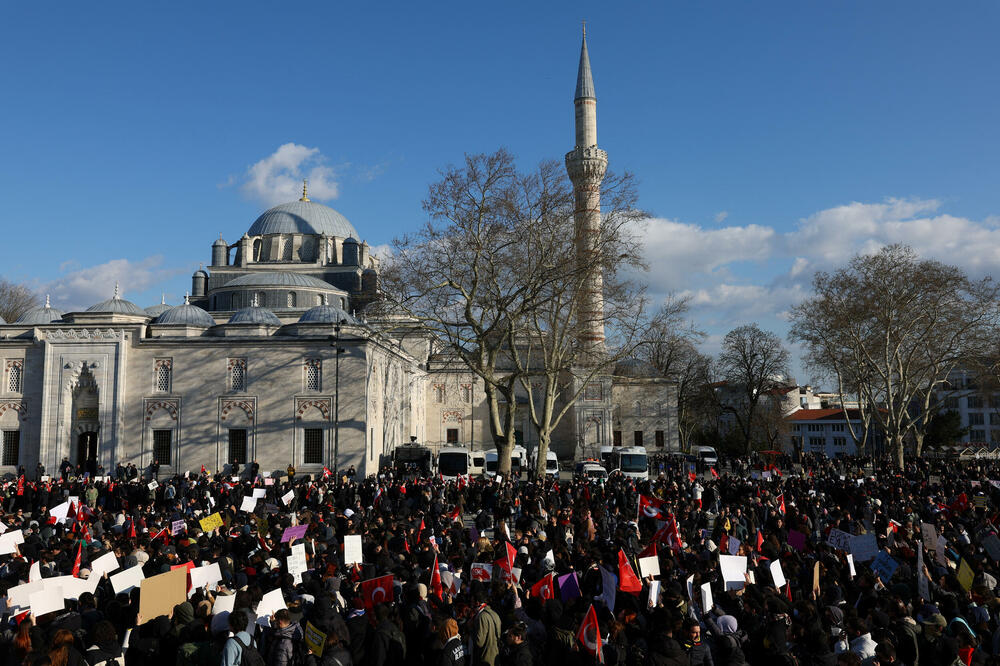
39	315
219	241
201	273
158	309
302	217
254	315
278	279
186	315
117	305
633	367
351	240
326	314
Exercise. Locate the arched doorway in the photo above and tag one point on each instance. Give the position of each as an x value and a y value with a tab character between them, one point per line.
86	451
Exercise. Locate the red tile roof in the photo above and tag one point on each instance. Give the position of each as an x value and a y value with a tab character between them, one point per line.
824	415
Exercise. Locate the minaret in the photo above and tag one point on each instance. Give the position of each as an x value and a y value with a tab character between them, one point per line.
586	165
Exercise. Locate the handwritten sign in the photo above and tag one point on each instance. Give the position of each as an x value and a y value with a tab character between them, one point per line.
884	566
839	539
212	522
864	547
315	639
293	532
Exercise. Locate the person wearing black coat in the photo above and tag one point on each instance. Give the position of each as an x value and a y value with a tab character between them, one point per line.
515	651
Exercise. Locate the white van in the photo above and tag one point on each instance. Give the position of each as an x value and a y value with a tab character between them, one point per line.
453	461
706	455
478	465
551	463
631	461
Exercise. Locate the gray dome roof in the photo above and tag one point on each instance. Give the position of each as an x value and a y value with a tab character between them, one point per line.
2	320
278	279
302	217
255	315
158	309
201	272
188	315
326	314
633	367
117	306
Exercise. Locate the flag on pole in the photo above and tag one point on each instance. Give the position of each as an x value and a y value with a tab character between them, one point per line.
377	591
456	514
714	473
544	588
781	503
627	580
589	635
760	541
435	585
76	562
652	507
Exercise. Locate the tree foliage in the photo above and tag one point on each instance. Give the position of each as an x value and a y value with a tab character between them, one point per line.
891	328
15	300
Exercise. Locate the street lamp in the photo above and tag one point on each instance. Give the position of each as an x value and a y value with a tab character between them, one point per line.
336	400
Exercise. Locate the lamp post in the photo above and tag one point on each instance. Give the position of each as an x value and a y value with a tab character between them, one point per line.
336	400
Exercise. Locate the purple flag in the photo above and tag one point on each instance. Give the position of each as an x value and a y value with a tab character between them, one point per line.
293	532
796	540
609	588
569	587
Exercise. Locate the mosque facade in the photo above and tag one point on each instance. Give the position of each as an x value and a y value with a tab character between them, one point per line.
283	354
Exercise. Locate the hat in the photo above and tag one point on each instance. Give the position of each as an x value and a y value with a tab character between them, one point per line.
272	563
937	620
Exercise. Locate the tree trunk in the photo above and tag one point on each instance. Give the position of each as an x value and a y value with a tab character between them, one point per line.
897	451
541	461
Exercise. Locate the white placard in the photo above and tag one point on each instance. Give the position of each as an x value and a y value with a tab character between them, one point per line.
208	575
352	549
153	485
287	498
733	571
35	572
47	600
106	563
649	566
72	587
126	580
297	562
60	512
224	603
850	565
690	586
270	603
260	493
929	535
249	504
777	575
20	595
706	597
9	540
654	593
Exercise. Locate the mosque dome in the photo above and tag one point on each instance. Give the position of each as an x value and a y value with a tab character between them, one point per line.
278	279
187	315
39	315
302	217
326	314
158	309
117	305
635	368
254	315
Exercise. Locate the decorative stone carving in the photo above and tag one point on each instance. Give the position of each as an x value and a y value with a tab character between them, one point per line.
229	405
18	406
304	405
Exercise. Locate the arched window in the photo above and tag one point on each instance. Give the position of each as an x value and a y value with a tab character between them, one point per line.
237	374
290	300
312	375
256	250
286	249
15	373
320	299
161	379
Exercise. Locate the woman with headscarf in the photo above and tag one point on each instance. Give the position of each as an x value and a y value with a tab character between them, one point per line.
729	640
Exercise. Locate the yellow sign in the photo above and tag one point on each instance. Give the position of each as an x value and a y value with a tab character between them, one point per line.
315	639
87	414
965	575
210	523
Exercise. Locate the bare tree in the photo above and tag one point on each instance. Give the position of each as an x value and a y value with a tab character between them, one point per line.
15	300
753	362
894	327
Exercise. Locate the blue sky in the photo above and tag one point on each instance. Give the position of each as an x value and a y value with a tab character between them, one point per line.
770	139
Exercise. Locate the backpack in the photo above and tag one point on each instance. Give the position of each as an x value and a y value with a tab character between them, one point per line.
298	656
249	656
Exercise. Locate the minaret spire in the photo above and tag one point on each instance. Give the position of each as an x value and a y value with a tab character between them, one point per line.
586	165
305	193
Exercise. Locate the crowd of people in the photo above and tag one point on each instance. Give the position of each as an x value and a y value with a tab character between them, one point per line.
877	566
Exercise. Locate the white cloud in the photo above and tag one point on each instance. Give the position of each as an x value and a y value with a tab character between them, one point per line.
721	216
278	177
754	272
79	289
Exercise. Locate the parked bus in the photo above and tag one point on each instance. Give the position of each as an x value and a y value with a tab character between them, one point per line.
453	461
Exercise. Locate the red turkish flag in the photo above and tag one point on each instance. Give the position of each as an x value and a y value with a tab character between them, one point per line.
781	503
377	591
714	473
435	585
692	476
627	580
131	528
589	634
482	572
760	540
652	507
649	551
455	515
543	589
76	562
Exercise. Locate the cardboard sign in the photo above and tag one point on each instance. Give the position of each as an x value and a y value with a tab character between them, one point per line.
259	493
287	498
270	603
654	594
159	594
293	532
733	571
777	575
352	549
690	587
104	564
314	639
205	576
928	533
297	562
649	566
224	603
132	577
864	547
706	597
884	566
268	482
815	587
153	485
839	539
248	504
965	575
212	522
9	541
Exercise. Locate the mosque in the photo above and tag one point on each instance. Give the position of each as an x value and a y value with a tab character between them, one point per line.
283	354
